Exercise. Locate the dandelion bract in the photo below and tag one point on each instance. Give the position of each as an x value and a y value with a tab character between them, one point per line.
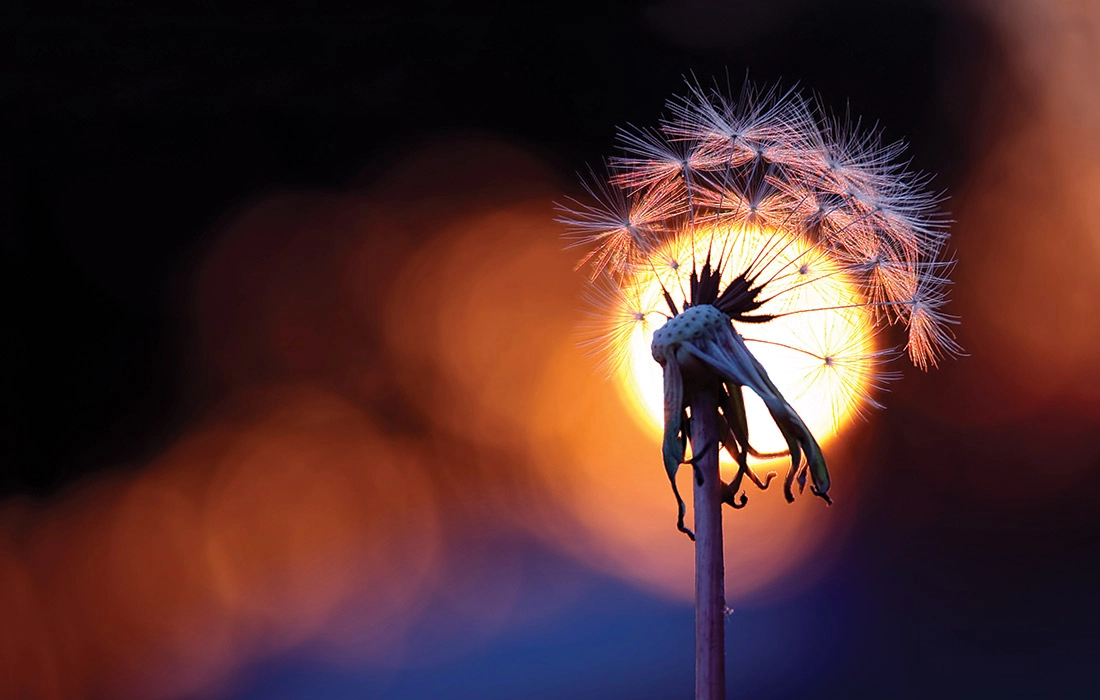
801	234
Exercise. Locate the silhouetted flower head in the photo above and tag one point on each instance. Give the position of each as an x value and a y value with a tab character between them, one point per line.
735	214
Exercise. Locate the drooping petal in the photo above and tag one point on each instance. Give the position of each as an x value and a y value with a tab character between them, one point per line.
729	358
796	433
736	424
672	448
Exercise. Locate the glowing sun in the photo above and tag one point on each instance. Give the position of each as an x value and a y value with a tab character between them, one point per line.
819	350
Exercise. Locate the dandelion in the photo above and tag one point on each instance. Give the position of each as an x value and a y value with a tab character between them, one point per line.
757	243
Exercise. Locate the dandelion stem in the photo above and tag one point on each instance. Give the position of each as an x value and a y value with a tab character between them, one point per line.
710	603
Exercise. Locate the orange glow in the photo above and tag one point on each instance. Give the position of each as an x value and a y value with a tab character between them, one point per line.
820	359
496	325
244	538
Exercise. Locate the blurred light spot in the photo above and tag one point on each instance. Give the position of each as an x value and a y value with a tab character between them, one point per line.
1029	225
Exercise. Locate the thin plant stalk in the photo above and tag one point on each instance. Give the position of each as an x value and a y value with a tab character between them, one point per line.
710	600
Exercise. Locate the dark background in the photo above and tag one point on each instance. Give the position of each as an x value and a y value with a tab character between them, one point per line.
128	135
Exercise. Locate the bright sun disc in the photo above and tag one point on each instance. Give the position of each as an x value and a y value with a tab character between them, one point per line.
820	357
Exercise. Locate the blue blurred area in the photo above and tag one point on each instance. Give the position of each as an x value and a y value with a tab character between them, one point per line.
878	623
611	641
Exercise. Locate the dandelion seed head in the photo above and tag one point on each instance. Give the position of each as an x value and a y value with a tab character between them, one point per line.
806	233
